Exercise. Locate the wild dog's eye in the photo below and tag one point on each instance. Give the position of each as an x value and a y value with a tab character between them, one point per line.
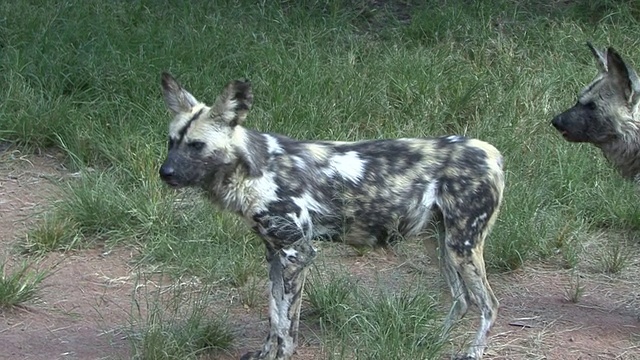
196	145
171	143
589	105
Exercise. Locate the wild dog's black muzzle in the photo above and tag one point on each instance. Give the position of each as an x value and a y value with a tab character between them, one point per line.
570	124
167	173
580	124
557	122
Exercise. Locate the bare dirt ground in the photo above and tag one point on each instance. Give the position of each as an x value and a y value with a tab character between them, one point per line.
86	304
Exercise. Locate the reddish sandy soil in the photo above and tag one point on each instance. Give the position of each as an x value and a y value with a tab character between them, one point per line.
85	307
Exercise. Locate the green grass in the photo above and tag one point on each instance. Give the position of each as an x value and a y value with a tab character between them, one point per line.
170	322
330	298
575	289
20	284
367	322
615	258
83	76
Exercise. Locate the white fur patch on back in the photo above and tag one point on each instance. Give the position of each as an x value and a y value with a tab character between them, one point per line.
300	163
318	152
348	165
273	146
454	138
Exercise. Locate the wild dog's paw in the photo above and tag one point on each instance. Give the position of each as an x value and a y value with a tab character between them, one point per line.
251	355
465	357
259	355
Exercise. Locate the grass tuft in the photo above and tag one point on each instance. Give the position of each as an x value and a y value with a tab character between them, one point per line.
329	299
615	257
21	284
574	291
53	233
370	323
175	322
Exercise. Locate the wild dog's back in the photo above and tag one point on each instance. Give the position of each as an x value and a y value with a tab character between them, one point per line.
373	192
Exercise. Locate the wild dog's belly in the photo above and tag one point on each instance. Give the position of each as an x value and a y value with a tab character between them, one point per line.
378	228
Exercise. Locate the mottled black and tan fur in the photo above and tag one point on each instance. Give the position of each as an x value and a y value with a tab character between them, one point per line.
367	193
607	113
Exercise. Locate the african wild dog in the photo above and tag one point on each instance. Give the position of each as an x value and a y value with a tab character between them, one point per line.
363	193
607	113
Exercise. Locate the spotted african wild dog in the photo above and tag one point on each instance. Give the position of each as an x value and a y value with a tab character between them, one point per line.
607	113
363	193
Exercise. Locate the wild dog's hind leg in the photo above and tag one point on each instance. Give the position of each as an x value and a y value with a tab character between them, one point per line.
468	217
459	293
464	255
472	273
287	272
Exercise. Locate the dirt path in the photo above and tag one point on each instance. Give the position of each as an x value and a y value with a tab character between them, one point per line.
80	314
86	305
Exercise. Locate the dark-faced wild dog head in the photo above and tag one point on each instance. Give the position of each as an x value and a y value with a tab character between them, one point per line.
606	113
203	140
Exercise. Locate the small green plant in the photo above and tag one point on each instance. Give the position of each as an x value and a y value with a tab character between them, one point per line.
615	257
176	324
53	233
570	256
330	297
21	284
574	291
568	246
242	270
379	324
186	339
252	292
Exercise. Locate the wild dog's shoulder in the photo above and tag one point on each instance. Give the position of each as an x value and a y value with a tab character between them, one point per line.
492	153
475	157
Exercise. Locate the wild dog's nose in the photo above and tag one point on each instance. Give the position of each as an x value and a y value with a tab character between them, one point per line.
166	171
557	122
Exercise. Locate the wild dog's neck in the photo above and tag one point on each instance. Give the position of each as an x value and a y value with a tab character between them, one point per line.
235	188
624	153
251	149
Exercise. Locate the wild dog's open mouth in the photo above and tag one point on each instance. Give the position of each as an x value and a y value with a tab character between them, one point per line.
562	132
172	183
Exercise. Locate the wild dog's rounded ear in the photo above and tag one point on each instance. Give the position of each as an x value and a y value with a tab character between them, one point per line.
234	103
635	85
177	99
601	58
619	73
243	94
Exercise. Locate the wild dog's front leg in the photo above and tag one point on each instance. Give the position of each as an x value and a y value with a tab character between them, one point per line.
287	271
